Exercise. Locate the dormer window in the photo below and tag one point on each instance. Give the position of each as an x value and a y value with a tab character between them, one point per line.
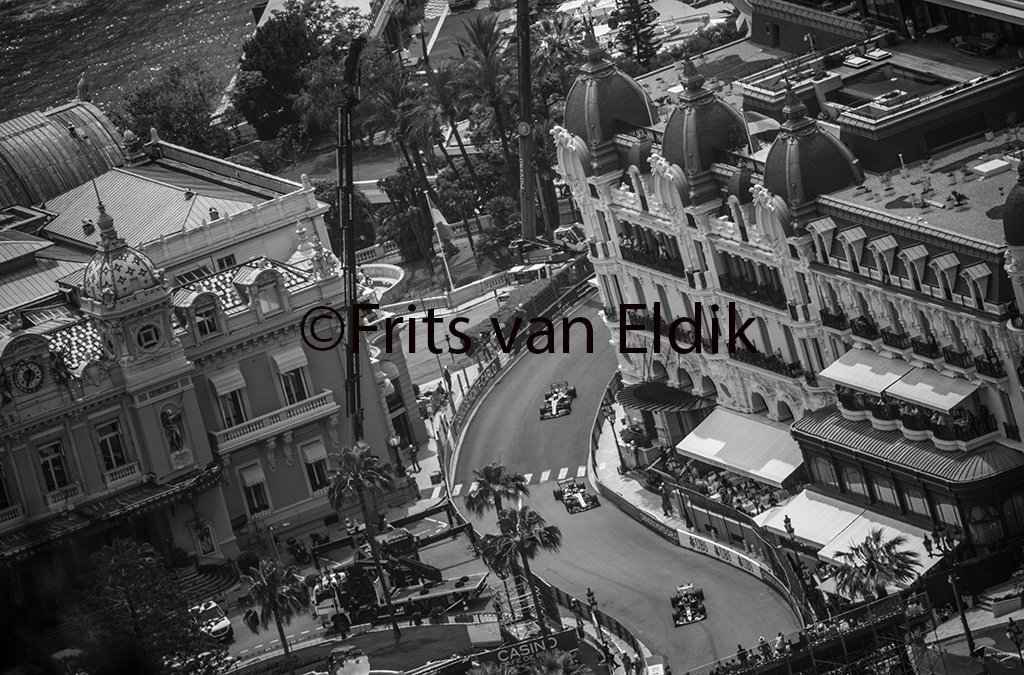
269	298
206	321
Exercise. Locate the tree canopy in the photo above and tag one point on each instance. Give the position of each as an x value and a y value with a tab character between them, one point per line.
179	103
637	21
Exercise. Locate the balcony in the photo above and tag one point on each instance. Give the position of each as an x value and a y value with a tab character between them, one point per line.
884	411
762	293
654	261
990	366
959	359
771	362
811	378
927	348
271	424
837	321
122	475
799	312
895	340
57	499
11	514
863	327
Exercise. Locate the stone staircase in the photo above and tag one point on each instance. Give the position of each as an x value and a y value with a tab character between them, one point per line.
205	582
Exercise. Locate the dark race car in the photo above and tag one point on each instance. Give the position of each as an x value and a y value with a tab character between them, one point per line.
575	496
558	401
688	605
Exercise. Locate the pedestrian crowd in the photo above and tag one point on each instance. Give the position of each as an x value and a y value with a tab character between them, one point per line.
728	488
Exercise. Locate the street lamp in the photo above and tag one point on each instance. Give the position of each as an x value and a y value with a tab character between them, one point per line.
609	414
592	601
396	442
1016	636
420	29
949	543
577	612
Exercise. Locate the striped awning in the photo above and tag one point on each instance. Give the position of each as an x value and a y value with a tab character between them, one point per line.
864	370
660	397
289	358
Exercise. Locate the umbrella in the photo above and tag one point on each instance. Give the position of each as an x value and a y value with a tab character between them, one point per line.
601	29
571	6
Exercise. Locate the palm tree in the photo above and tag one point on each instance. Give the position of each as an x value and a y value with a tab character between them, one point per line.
556	50
494	485
489	76
557	663
279	594
445	81
359	472
524	534
867	568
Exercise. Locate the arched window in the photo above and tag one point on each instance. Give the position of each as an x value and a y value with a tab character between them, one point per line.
916	502
885	490
853	481
1013	512
824	473
947	512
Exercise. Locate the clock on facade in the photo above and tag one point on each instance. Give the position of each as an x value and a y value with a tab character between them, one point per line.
28	375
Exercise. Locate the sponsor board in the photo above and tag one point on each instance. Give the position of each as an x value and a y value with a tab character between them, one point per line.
525	651
709	547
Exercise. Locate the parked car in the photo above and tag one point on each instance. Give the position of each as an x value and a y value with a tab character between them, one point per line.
213	621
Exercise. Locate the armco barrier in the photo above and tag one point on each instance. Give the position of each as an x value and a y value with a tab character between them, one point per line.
682	538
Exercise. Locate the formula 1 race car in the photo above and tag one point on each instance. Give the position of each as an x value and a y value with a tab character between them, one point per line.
575	496
558	401
688	605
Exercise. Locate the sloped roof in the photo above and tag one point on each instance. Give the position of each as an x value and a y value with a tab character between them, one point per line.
80	343
222	284
143	208
15	244
33	282
892	448
40	159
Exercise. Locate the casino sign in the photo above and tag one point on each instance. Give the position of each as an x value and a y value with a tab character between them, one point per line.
527	650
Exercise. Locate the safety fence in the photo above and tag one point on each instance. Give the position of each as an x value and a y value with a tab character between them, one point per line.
773	573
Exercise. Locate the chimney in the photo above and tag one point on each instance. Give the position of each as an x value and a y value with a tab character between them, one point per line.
88	227
214	214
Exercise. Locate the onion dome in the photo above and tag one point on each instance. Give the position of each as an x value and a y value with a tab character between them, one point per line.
700	123
117	270
804	161
602	97
1013	211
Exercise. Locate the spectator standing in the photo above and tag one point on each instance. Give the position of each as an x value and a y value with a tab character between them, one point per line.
780	644
741	654
413	452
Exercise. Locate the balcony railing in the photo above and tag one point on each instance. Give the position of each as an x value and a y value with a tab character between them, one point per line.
1012	432
914	421
863	327
927	348
121	474
772	362
884	411
851	402
762	293
12	513
897	340
811	378
959	359
267	425
655	261
837	321
58	498
963	429
990	365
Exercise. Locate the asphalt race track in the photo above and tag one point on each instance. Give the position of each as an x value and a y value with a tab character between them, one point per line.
632	570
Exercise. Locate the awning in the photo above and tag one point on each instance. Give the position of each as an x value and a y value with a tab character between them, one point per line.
866	371
1000	10
660	397
816	518
859	530
931	389
227	380
252	475
314	452
744	444
289	358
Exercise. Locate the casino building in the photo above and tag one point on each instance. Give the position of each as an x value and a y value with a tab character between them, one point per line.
884	389
153	380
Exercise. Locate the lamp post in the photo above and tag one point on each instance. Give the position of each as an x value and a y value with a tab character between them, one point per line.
396	444
609	414
1013	632
577	612
949	543
592	601
422	32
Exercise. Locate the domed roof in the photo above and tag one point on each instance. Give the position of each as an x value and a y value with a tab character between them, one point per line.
602	96
700	123
639	155
1013	211
804	161
117	270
